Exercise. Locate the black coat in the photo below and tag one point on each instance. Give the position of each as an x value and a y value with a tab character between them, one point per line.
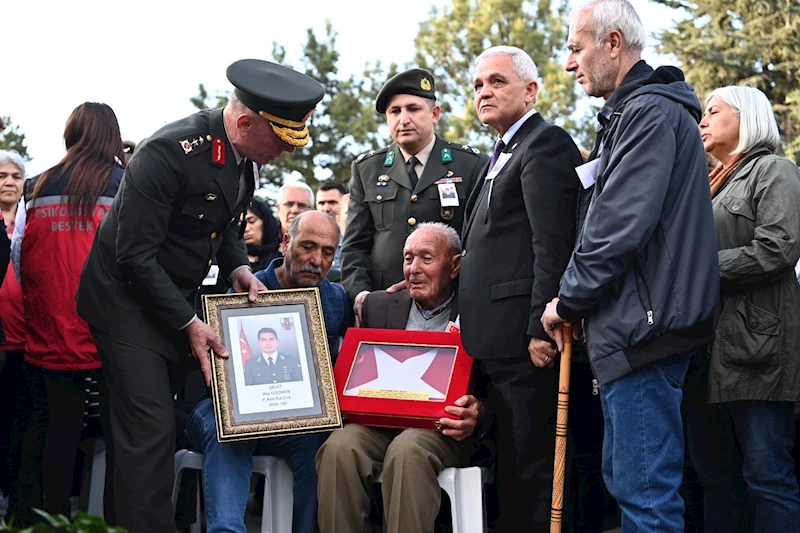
517	247
175	210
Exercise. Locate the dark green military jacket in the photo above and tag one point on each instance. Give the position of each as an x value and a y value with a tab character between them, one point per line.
380	217
175	210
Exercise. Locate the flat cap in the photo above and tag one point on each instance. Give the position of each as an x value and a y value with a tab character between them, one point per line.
285	97
416	81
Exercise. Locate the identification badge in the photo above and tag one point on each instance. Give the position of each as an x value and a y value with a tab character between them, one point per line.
448	196
587	173
212	276
498	166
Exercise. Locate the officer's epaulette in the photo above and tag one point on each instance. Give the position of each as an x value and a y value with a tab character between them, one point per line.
196	143
464	148
367	155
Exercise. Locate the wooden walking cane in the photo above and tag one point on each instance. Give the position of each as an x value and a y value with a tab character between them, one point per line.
557	505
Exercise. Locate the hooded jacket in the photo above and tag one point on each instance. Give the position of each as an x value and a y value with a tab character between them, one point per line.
644	276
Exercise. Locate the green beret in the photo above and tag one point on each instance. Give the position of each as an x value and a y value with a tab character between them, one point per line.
416	81
285	97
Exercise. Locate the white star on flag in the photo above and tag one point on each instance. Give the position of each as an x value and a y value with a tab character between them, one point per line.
404	376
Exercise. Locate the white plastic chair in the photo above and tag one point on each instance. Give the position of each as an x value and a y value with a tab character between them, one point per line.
464	487
278	489
94	476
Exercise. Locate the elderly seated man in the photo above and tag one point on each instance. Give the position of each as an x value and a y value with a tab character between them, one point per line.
410	459
310	246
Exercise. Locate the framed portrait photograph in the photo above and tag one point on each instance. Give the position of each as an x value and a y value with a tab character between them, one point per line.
398	378
278	379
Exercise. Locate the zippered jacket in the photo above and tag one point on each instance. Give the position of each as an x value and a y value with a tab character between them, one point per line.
644	277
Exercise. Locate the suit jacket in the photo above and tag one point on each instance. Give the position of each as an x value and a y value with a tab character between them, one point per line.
176	208
390	311
517	246
380	216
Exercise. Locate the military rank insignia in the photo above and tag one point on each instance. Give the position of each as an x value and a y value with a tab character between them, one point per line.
218	152
425	84
186	144
389	161
446	155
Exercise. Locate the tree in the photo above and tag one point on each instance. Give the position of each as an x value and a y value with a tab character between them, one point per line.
742	42
452	37
12	139
343	125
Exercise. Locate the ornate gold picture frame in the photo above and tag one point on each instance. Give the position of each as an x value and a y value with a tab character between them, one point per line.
278	379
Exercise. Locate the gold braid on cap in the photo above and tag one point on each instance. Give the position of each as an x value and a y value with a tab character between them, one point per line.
289	131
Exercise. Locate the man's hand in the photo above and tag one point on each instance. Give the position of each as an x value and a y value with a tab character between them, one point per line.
201	338
243	280
554	325
542	353
468	408
358	305
399	286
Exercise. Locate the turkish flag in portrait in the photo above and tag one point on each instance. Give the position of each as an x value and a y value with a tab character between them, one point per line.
243	346
408	368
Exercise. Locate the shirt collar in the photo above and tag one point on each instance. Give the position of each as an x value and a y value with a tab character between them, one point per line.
428	314
235	153
508	135
422	155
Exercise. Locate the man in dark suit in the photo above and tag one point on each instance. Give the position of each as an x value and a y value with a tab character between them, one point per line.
395	188
269	366
518	238
178	206
410	459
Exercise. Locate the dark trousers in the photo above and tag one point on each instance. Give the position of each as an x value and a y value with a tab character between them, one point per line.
742	452
51	442
524	398
141	423
15	411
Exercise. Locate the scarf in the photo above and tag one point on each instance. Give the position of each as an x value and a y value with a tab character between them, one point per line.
721	173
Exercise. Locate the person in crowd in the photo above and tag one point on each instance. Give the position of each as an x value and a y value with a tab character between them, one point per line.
179	205
294	197
128	148
14	407
343	211
310	246
409	459
65	205
261	235
740	396
643	281
518	236
395	188
330	198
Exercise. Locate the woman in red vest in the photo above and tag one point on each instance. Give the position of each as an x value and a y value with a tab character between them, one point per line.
12	390
64	206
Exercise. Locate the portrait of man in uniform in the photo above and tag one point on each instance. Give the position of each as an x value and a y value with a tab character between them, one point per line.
271	366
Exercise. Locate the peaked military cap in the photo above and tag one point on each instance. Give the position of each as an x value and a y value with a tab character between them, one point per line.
285	97
416	81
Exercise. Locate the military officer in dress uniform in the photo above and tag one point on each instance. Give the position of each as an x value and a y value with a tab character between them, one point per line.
270	366
419	178
178	206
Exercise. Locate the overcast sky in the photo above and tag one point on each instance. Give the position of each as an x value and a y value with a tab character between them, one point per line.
145	58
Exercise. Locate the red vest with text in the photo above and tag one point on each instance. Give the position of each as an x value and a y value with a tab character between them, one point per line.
54	247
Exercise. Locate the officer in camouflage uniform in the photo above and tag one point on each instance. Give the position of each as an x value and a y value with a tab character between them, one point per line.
389	196
178	206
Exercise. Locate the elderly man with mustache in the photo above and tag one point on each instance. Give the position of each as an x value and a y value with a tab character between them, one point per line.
310	246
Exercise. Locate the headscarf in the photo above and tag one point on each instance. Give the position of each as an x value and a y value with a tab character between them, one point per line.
270	237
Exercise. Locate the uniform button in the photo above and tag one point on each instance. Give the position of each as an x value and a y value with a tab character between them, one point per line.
736	207
414	198
412	221
200	216
379	197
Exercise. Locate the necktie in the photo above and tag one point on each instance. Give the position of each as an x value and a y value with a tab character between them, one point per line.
498	149
270	363
412	172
